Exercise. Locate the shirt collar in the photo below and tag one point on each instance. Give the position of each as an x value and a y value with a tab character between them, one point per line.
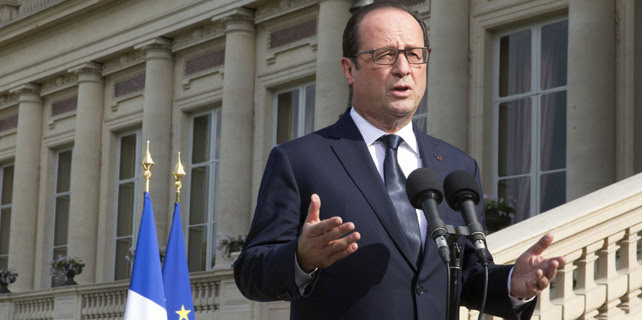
370	133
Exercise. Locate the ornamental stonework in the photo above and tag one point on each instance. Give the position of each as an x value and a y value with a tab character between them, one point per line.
291	34
199	35
59	83
124	61
204	61
64	105
280	7
7	100
129	85
8	123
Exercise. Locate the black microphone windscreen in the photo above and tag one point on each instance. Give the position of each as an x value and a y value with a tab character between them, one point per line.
459	183
421	181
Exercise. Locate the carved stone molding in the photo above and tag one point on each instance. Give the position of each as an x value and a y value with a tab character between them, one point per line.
59	83
199	35
291	34
202	63
124	61
7	100
127	87
8	10
28	92
280	7
87	67
239	19
156	43
62	107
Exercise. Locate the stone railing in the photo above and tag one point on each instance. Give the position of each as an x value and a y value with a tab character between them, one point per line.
599	234
107	301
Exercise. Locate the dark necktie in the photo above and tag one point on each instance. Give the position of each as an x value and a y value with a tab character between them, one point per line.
395	182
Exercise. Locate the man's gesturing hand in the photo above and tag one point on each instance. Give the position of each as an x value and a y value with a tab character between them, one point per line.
532	272
322	243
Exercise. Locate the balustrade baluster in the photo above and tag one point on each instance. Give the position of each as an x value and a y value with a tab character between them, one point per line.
632	302
594	294
608	275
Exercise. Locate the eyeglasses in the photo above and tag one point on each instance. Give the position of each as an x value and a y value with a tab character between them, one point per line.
388	56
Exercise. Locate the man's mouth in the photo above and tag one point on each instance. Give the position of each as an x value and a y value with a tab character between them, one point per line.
401	91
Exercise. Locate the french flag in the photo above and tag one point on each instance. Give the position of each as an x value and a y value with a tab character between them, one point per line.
146	296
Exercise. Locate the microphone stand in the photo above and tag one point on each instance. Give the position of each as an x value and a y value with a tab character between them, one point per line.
452	308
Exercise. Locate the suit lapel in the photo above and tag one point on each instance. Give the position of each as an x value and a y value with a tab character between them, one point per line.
353	154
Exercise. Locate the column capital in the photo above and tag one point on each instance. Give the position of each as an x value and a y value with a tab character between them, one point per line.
8	10
237	19
155	43
25	89
86	67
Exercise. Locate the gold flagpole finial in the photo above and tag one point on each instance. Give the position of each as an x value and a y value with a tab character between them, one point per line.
147	164
178	174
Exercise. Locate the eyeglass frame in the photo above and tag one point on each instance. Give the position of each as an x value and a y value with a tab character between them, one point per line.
399	51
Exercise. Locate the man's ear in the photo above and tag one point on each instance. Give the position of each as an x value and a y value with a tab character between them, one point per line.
348	70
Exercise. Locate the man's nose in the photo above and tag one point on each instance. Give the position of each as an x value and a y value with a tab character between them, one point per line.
401	67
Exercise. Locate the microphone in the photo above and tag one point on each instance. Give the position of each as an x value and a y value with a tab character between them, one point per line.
424	192
462	194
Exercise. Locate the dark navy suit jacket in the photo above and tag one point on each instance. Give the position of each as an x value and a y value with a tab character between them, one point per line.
380	280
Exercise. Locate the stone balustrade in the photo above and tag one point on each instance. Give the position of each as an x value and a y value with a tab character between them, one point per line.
600	236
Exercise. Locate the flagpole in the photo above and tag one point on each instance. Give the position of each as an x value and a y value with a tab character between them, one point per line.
178	175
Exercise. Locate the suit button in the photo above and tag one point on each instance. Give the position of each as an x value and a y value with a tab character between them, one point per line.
420	290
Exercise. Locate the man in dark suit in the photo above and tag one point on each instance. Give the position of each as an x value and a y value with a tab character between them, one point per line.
353	257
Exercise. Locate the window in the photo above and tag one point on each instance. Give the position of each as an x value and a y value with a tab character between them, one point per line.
529	110
127	175
203	171
62	193
6	183
294	113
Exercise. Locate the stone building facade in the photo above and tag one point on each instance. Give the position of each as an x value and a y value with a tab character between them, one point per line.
545	94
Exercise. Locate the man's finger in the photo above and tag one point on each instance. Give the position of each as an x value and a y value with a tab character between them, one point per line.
322	227
542	244
337	232
349	249
313	209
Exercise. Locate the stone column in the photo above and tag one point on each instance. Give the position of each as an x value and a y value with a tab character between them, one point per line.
22	241
157	121
85	164
332	92
591	97
448	107
236	125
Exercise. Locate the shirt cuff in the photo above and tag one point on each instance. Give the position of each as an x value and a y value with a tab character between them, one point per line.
515	301
301	278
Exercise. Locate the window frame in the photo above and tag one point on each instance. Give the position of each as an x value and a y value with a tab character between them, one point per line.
6	206
117	183
213	164
301	110
535	94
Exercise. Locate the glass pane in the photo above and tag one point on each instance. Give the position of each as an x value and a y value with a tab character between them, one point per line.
64	172
514	137
199	192
294	121
515	63
553	146
122	266
7	185
421	124
201	139
517	192
197	250
553	190
128	157
5	223
554	54
62	220
126	192
283	117
59	252
4	262
309	108
217	153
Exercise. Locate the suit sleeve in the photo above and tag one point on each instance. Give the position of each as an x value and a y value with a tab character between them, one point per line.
264	270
